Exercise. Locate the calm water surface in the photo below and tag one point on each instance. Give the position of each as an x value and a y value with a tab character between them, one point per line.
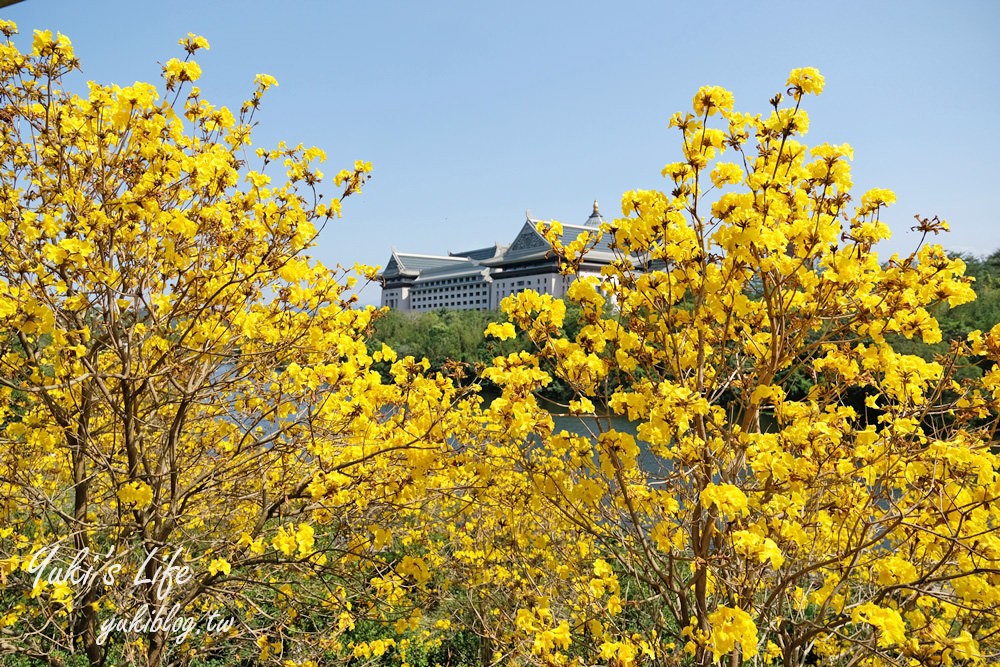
587	426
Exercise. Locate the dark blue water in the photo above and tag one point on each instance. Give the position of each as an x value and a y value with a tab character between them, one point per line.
587	426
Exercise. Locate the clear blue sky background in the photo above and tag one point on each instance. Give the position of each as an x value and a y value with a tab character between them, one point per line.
474	112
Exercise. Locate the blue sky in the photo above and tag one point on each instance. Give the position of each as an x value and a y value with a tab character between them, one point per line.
474	112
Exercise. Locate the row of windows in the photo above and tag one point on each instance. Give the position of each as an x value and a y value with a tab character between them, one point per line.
463	288
526	284
469	292
456	281
529	282
423	297
468	303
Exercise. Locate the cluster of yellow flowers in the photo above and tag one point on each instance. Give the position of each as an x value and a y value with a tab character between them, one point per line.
176	370
768	523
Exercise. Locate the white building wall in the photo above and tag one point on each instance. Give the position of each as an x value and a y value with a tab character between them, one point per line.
457	293
474	292
543	283
396	297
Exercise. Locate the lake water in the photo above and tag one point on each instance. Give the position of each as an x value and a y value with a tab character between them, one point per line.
587	426
647	461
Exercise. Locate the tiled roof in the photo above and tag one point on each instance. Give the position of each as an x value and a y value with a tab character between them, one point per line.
412	264
528	245
443	272
570	232
481	253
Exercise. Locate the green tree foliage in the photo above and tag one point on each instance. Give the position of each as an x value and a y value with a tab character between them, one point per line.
982	313
441	336
956	323
452	341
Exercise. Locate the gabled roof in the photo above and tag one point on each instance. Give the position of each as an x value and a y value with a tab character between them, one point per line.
528	240
412	264
529	244
457	271
570	232
480	254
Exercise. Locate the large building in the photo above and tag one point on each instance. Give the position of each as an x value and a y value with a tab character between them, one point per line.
479	279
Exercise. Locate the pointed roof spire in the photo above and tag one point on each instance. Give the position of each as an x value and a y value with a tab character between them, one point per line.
595	219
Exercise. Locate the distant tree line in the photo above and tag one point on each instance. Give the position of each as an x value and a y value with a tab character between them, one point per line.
453	342
984	312
956	323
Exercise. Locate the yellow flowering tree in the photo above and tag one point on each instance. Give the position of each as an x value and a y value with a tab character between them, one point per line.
747	520
192	430
191	425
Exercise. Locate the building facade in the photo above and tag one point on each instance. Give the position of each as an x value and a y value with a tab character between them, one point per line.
480	279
